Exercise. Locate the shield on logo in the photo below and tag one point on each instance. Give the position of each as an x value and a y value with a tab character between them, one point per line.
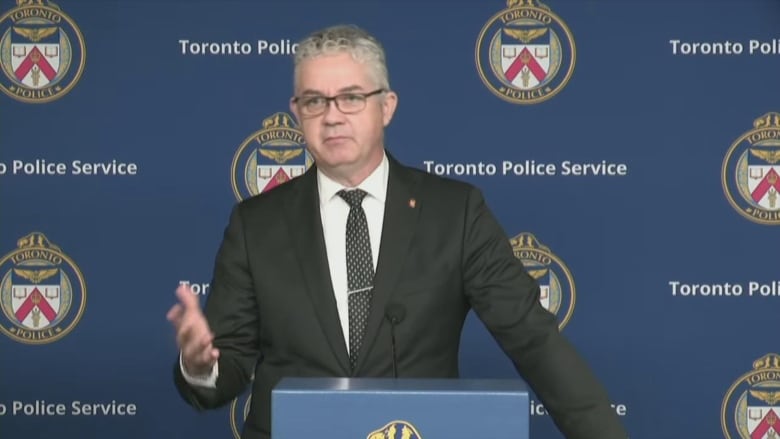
35	54
35	296
542	276
764	178
762	413
278	165
525	55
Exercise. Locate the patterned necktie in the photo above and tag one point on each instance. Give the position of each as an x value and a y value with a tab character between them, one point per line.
360	270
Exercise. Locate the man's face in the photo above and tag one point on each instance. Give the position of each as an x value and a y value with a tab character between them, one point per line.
344	146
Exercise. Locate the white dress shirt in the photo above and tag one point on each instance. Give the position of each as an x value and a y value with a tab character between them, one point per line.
333	213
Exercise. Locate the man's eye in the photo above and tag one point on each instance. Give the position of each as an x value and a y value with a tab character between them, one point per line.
314	102
351	98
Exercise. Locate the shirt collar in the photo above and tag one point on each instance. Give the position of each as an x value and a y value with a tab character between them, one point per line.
375	184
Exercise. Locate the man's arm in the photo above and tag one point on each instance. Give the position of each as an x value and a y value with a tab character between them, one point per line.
231	313
506	299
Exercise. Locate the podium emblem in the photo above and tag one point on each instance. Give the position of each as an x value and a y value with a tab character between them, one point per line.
269	157
395	430
751	406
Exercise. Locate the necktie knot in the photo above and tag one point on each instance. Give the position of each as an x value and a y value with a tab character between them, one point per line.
353	197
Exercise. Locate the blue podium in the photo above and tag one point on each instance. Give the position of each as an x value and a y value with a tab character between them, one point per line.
387	408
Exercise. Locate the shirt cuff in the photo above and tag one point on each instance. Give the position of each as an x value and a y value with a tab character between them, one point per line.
209	380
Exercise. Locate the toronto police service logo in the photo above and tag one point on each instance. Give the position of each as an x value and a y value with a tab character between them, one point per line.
554	278
525	54
269	157
42	291
751	407
751	171
42	52
395	430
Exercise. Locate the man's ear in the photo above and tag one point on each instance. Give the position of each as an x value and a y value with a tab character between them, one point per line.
389	104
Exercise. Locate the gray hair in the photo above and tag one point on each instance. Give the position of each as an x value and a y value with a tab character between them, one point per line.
346	38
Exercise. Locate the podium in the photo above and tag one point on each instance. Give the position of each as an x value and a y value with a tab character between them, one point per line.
387	408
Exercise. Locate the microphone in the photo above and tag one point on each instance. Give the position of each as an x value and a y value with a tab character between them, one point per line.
394	313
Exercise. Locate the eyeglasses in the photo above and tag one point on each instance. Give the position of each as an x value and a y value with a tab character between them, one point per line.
348	103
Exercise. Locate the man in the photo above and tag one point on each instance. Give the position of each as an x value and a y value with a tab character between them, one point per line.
295	291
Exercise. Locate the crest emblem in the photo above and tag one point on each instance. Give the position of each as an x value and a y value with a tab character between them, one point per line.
42	292
554	278
525	54
751	407
751	171
395	430
239	410
42	52
269	157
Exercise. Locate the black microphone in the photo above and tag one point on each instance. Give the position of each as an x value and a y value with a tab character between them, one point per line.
394	313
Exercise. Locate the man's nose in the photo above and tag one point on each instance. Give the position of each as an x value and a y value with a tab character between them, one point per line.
332	113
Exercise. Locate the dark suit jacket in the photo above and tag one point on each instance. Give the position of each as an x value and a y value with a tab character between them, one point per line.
273	312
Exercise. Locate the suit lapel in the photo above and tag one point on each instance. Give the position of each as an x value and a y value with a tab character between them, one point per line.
302	209
398	227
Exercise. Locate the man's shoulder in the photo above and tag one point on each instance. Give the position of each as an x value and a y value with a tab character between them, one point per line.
271	199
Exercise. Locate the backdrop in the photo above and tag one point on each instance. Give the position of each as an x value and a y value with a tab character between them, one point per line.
630	150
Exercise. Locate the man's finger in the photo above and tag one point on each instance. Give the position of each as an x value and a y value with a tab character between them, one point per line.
209	357
204	340
175	315
188	298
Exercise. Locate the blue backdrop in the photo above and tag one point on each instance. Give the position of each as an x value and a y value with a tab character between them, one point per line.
629	149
